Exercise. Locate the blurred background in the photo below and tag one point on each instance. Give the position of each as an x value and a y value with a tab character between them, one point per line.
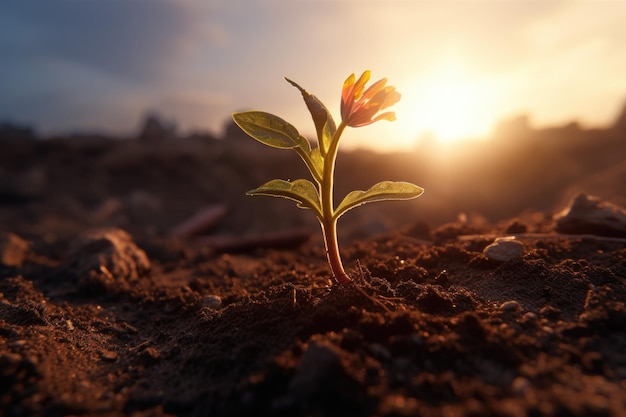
118	112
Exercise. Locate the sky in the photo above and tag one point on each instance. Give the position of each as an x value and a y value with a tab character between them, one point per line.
460	65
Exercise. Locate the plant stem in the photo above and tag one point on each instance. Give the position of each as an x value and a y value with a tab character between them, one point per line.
329	222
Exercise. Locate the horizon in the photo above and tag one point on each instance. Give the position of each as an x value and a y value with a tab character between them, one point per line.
461	67
501	131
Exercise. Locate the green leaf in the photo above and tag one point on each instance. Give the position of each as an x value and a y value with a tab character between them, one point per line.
386	190
317	162
305	144
324	123
301	191
313	160
270	130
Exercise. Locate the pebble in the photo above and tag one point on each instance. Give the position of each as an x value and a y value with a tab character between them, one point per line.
510	305
318	365
520	385
17	343
150	353
108	355
380	352
504	249
211	301
591	215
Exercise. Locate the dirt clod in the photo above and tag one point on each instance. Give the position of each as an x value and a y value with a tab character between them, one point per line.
13	249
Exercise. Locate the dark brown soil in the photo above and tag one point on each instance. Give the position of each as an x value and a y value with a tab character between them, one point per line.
113	323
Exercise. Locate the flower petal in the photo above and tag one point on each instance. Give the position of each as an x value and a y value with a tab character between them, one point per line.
346	91
360	84
374	89
391	116
347	94
391	98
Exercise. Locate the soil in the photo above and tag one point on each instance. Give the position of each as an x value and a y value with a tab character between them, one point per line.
102	312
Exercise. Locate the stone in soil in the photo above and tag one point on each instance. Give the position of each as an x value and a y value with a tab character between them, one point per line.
504	249
591	215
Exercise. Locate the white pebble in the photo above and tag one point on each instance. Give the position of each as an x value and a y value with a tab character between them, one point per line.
504	249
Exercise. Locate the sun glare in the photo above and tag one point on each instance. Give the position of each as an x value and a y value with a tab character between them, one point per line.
450	104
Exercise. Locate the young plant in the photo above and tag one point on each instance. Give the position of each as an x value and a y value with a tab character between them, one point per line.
359	107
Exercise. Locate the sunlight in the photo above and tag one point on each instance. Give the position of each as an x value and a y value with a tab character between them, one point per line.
450	104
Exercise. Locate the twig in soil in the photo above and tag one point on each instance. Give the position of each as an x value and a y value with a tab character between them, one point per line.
362	281
528	236
358	264
139	346
372	299
200	222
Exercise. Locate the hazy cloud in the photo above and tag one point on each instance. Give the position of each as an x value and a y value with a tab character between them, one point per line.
133	39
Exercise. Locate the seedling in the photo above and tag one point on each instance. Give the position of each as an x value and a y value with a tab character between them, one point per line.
359	107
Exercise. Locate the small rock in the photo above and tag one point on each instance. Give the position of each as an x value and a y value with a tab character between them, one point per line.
315	369
13	250
520	385
107	259
211	301
128	328
510	305
402	405
17	343
112	248
150	354
516	227
108	355
529	317
504	249
433	301
380	352
591	215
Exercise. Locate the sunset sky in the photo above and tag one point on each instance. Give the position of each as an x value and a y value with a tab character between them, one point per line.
99	65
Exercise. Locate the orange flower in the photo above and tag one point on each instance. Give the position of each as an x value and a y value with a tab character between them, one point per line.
358	107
